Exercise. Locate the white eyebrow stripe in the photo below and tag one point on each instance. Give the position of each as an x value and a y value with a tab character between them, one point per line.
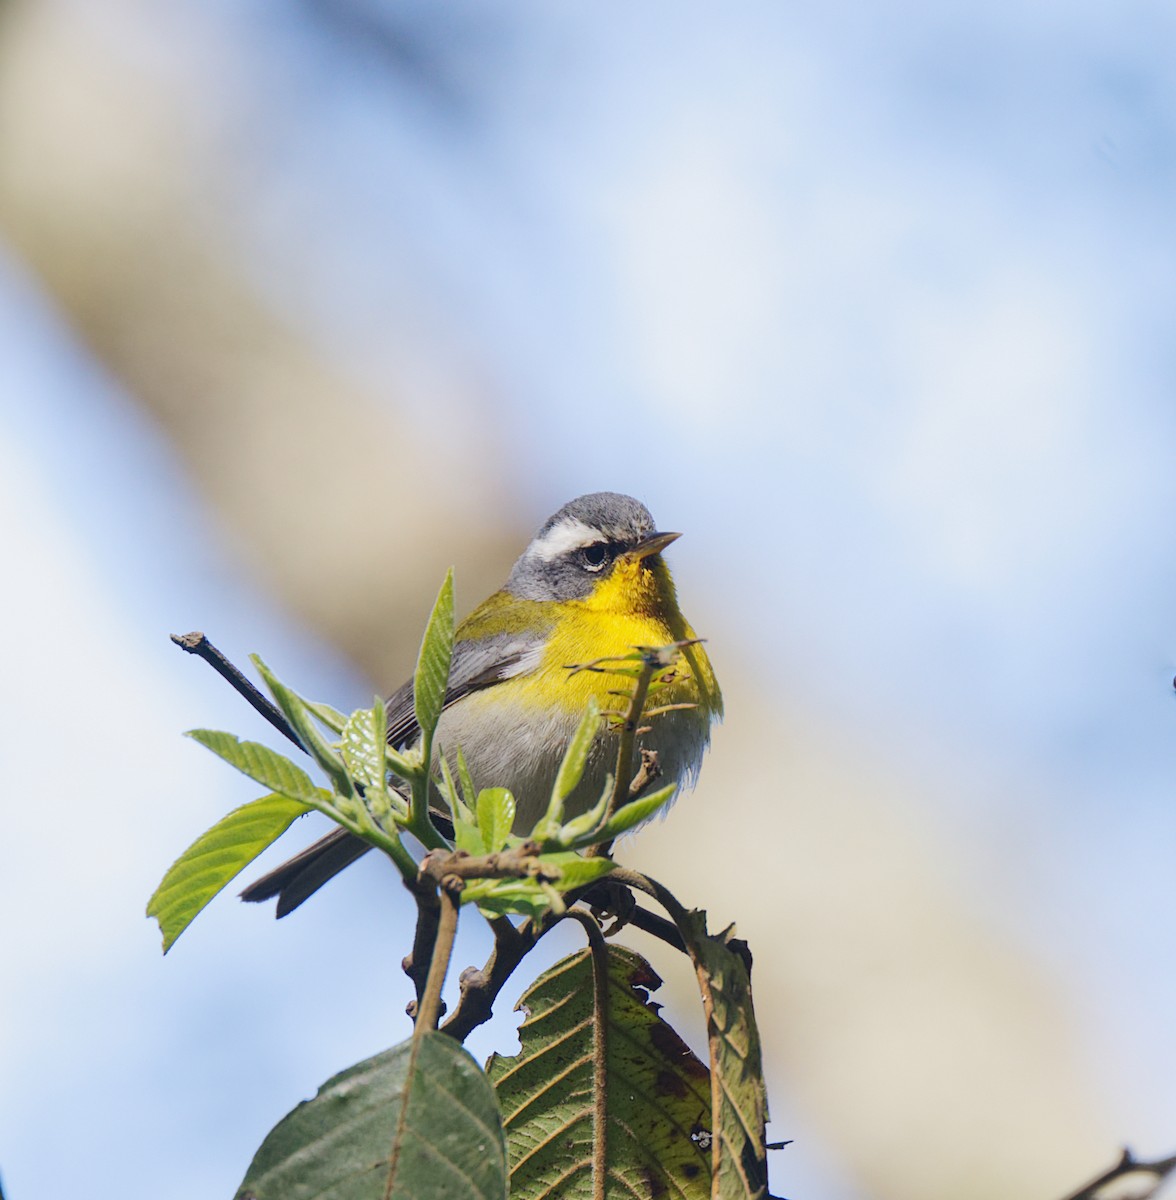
569	534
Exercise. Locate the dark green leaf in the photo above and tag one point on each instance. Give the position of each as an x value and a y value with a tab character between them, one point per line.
658	1091
270	769
214	858
351	1143
432	669
740	1161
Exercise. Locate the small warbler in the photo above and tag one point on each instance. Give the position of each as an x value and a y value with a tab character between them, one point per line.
591	585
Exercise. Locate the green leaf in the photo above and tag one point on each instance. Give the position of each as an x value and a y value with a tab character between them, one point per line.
657	1090
295	711
332	718
468	792
635	812
737	1076
214	858
266	766
409	1124
528	896
509	897
496	813
574	869
571	768
581	830
432	669
362	745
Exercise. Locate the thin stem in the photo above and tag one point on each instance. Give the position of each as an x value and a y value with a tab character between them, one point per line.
429	1008
599	950
628	740
651	887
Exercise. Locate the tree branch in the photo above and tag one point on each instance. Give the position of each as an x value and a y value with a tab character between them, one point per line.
1128	1164
480	988
429	1009
196	643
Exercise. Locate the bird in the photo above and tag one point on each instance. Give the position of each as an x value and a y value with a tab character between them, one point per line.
591	585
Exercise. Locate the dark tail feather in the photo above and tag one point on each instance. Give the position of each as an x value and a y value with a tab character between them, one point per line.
305	873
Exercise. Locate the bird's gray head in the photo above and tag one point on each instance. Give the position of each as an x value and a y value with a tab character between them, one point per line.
581	543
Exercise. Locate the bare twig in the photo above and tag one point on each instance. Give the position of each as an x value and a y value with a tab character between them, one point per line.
417	964
628	739
658	927
649	771
519	862
480	988
1128	1164
429	1009
196	643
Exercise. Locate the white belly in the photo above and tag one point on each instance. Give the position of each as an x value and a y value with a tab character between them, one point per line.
506	746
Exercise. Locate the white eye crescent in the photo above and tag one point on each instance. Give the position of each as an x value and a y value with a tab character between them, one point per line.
594	556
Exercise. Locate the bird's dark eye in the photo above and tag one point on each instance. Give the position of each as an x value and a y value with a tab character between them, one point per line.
594	556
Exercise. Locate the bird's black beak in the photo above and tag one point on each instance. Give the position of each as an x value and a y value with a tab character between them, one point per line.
655	543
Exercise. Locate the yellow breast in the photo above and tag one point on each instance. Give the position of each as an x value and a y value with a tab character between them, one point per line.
635	606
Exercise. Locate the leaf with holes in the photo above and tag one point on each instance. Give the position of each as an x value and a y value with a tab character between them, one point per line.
215	857
657	1100
407	1124
741	1107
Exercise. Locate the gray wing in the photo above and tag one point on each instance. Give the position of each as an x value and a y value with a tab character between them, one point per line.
475	666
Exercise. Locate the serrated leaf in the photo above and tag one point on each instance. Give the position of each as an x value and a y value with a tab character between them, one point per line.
432	669
635	812
657	1089
496	813
295	711
362	742
214	858
350	1143
266	766
739	1099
